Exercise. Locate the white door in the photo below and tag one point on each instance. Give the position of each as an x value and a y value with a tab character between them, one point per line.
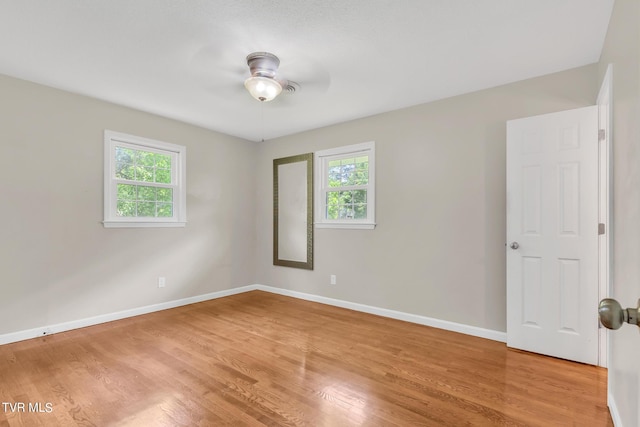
552	234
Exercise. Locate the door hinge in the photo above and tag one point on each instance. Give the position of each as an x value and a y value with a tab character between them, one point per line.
601	229
601	134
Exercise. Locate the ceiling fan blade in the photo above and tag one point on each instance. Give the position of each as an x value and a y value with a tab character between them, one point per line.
307	73
211	64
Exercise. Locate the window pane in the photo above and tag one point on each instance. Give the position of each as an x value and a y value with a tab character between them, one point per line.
144	173
346	171
140	201
145	158
163	176
146	209
347	175
124	155
360	211
163	161
361	177
126	192
165	195
349	171
345	197
140	165
146	193
165	209
333	198
345	212
332	211
126	208
362	162
359	196
334	176
349	204
125	171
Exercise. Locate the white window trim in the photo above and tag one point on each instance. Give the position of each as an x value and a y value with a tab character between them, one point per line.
178	170
321	158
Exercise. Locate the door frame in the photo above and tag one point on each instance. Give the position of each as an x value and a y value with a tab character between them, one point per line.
605	120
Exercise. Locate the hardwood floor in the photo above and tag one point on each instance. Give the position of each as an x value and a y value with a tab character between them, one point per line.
263	359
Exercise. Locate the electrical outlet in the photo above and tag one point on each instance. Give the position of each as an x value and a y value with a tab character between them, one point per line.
332	279
162	281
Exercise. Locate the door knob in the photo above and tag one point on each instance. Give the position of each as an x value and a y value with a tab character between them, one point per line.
613	316
514	245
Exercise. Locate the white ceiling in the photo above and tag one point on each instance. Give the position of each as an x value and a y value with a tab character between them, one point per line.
185	59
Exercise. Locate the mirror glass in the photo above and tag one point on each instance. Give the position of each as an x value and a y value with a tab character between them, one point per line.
293	211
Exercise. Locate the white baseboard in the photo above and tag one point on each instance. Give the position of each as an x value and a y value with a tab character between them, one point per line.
407	317
103	318
613	409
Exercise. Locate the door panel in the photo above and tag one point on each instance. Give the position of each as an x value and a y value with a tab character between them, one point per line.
552	213
532	284
531	198
569	284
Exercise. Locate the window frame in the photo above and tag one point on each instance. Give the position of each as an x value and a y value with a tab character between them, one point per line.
322	159
178	155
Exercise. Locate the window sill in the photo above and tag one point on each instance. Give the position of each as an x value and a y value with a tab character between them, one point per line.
358	226
142	224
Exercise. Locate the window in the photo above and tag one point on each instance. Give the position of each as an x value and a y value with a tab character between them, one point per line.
144	182
345	187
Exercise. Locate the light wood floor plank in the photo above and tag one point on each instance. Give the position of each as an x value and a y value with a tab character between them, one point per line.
258	359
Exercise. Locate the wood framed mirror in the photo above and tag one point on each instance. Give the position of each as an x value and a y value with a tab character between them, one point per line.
293	211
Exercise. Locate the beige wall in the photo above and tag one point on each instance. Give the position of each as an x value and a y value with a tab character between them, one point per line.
438	249
58	263
622	49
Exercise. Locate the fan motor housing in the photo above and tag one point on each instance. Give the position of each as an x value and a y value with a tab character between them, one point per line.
263	64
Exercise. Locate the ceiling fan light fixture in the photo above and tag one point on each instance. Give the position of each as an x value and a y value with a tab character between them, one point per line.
263	89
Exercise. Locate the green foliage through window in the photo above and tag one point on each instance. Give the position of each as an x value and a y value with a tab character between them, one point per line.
349	171
351	204
144	201
146	166
135	200
345	203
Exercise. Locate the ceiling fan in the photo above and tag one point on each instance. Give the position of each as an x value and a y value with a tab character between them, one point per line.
264	83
